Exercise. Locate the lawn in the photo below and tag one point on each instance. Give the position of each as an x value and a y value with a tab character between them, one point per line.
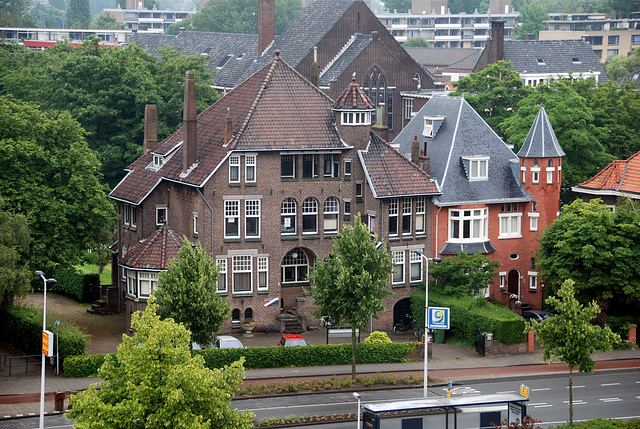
105	277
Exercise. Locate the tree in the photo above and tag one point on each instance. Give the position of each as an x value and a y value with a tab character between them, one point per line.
533	13
106	21
52	177
625	7
186	292
416	42
350	284
78	14
16	13
468	6
398	5
619	65
463	274
14	247
48	16
570	337
597	248
154	382
494	92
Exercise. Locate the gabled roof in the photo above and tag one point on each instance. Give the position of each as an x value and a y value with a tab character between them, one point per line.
390	174
353	98
463	135
155	252
541	142
275	109
620	178
557	56
345	58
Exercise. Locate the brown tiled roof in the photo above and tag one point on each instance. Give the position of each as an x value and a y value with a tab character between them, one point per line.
274	109
353	98
154	252
390	174
620	176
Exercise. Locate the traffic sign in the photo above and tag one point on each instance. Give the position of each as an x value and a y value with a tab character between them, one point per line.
438	318
524	390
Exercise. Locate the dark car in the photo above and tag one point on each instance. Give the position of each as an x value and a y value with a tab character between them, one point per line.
292	340
536	315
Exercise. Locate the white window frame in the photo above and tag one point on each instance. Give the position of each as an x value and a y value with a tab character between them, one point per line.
550	171
234	167
132	283
408	108
421	215
478	168
356	118
288	214
252	210
314	165
158	161
397	277
231	216
300	262
126	215
524	174
415	259
195	223
533	280
146	283
346	204
263	269
134	217
510	225
159	219
294	160
371	222
347	169
222	283
331	212
393	216
407	212
503	280
331	167
310	209
478	224
533	221
359	189
242	264
535	175
250	170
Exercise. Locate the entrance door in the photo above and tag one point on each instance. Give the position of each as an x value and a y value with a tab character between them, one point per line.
513	286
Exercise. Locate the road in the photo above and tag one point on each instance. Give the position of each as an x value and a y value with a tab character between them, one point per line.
607	394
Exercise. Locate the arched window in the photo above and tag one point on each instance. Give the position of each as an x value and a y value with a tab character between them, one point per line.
288	217
375	86
295	267
248	313
235	315
310	216
331	208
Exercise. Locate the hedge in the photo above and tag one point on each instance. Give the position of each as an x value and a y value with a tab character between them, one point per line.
270	357
22	330
83	287
470	314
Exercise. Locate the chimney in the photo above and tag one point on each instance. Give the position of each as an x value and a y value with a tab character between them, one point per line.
415	151
189	123
315	68
425	160
496	44
266	24
150	141
228	132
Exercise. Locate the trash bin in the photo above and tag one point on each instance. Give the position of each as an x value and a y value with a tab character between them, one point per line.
438	335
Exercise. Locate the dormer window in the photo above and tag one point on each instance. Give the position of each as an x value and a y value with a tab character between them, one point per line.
431	125
477	168
541	62
356	118
158	161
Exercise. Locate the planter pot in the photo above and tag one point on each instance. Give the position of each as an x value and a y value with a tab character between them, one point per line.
248	330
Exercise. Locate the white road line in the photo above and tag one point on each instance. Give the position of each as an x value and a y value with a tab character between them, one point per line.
543	406
575	387
575	402
506	391
637	397
610	399
610	384
541	389
535	403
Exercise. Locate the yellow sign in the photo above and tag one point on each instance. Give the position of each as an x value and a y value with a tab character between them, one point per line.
47	343
524	390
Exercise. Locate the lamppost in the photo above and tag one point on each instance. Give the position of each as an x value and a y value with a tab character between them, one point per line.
44	327
57	350
357	396
426	318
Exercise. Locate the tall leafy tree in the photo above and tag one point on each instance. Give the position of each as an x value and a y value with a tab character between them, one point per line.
463	274
106	21
350	284
416	42
597	248
154	382
14	247
619	65
570	337
533	13
187	293
78	14
52	177
16	13
398	5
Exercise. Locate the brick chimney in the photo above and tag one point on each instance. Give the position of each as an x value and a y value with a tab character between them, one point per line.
415	150
150	141
189	119
425	160
496	44
266	24
228	131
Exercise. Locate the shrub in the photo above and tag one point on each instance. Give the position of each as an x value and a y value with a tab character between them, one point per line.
378	337
604	424
368	381
83	366
82	287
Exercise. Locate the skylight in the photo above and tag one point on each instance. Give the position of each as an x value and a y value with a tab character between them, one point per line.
224	61
576	60
541	61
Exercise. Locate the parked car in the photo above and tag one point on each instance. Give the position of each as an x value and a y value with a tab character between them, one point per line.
536	315
292	340
227	342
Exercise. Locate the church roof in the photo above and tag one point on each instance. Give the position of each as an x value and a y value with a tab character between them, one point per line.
541	142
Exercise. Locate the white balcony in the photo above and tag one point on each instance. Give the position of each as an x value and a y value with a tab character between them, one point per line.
150	20
481	38
399	26
448	26
447	38
482	26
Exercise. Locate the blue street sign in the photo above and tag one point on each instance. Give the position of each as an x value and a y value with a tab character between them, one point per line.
438	318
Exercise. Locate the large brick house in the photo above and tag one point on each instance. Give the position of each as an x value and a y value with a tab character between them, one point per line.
493	201
264	179
327	42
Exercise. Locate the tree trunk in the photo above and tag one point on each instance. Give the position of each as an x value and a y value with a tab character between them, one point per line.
570	396
353	353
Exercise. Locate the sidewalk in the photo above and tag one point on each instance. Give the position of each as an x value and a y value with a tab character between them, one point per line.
449	363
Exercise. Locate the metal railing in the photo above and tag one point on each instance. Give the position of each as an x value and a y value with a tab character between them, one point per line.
19	361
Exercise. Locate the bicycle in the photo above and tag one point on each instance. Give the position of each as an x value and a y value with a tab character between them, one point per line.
404	324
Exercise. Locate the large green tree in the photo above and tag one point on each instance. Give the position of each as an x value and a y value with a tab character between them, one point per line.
154	382
78	14
463	274
570	337
494	92
14	247
16	13
598	248
620	65
398	5
533	13
186	292
52	177
350	284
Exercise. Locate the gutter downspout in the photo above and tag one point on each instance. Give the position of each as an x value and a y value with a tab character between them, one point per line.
435	251
210	208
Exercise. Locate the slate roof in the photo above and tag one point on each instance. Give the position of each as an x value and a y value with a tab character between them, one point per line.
558	57
631	77
541	142
464	133
390	174
445	57
154	252
344	59
353	98
621	177
275	109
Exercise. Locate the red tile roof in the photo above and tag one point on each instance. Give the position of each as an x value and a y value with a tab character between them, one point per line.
154	252
619	176
353	98
275	109
391	174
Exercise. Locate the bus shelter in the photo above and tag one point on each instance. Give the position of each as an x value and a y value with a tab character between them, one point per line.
473	411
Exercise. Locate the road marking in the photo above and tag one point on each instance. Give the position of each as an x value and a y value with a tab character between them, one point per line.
610	384
610	399
575	402
575	387
535	403
541	389
543	406
505	392
637	397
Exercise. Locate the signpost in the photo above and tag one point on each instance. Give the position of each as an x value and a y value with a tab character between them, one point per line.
47	343
439	317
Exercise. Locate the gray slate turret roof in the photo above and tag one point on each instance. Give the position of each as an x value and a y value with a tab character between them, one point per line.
541	142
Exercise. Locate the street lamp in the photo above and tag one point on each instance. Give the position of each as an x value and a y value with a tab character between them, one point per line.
426	318
57	350
44	327
357	396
